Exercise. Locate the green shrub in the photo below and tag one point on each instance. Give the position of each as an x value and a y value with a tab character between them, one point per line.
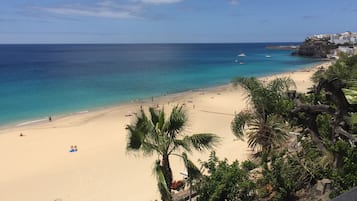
248	165
345	178
226	182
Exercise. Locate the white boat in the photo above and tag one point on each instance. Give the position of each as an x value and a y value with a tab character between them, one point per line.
241	63
241	55
267	56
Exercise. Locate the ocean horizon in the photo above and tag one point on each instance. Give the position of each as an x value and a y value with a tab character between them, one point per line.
41	80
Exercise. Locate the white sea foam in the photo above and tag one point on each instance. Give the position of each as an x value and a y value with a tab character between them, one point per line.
32	122
81	112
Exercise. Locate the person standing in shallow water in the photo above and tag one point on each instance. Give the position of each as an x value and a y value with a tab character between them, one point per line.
49	118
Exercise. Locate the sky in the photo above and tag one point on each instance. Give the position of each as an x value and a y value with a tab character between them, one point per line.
172	21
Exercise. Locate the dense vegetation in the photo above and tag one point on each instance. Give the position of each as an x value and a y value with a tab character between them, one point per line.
227	181
301	141
323	123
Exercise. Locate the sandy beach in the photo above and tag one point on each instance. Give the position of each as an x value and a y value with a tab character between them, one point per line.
39	167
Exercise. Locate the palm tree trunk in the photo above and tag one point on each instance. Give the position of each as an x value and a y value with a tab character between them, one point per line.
167	170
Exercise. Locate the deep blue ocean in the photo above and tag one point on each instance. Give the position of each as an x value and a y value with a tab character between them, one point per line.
41	80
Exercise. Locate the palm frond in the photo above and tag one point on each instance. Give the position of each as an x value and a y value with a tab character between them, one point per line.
140	134
181	143
154	115
161	182
281	85
142	122
176	122
203	140
266	134
135	138
139	141
161	119
239	123
260	97
192	170
148	148
248	83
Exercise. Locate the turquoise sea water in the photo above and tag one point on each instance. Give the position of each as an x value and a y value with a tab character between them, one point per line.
41	80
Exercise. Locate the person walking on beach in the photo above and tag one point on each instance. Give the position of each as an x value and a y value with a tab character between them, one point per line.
49	118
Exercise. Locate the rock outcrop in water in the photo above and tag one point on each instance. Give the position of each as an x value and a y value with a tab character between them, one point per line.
316	48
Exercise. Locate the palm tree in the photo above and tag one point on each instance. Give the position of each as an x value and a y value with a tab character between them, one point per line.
163	137
268	134
270	104
267	99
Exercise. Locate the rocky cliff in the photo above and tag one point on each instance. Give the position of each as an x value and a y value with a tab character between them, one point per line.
315	48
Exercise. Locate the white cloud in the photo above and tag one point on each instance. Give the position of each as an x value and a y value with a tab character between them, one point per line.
105	3
103	9
233	2
89	12
159	1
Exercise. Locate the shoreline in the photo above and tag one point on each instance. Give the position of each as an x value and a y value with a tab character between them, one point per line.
43	119
39	165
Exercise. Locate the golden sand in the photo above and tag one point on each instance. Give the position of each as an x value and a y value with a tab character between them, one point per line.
39	167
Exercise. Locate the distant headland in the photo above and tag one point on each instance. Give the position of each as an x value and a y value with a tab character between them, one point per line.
324	45
328	45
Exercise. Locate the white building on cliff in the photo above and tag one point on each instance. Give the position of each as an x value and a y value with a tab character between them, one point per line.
344	38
